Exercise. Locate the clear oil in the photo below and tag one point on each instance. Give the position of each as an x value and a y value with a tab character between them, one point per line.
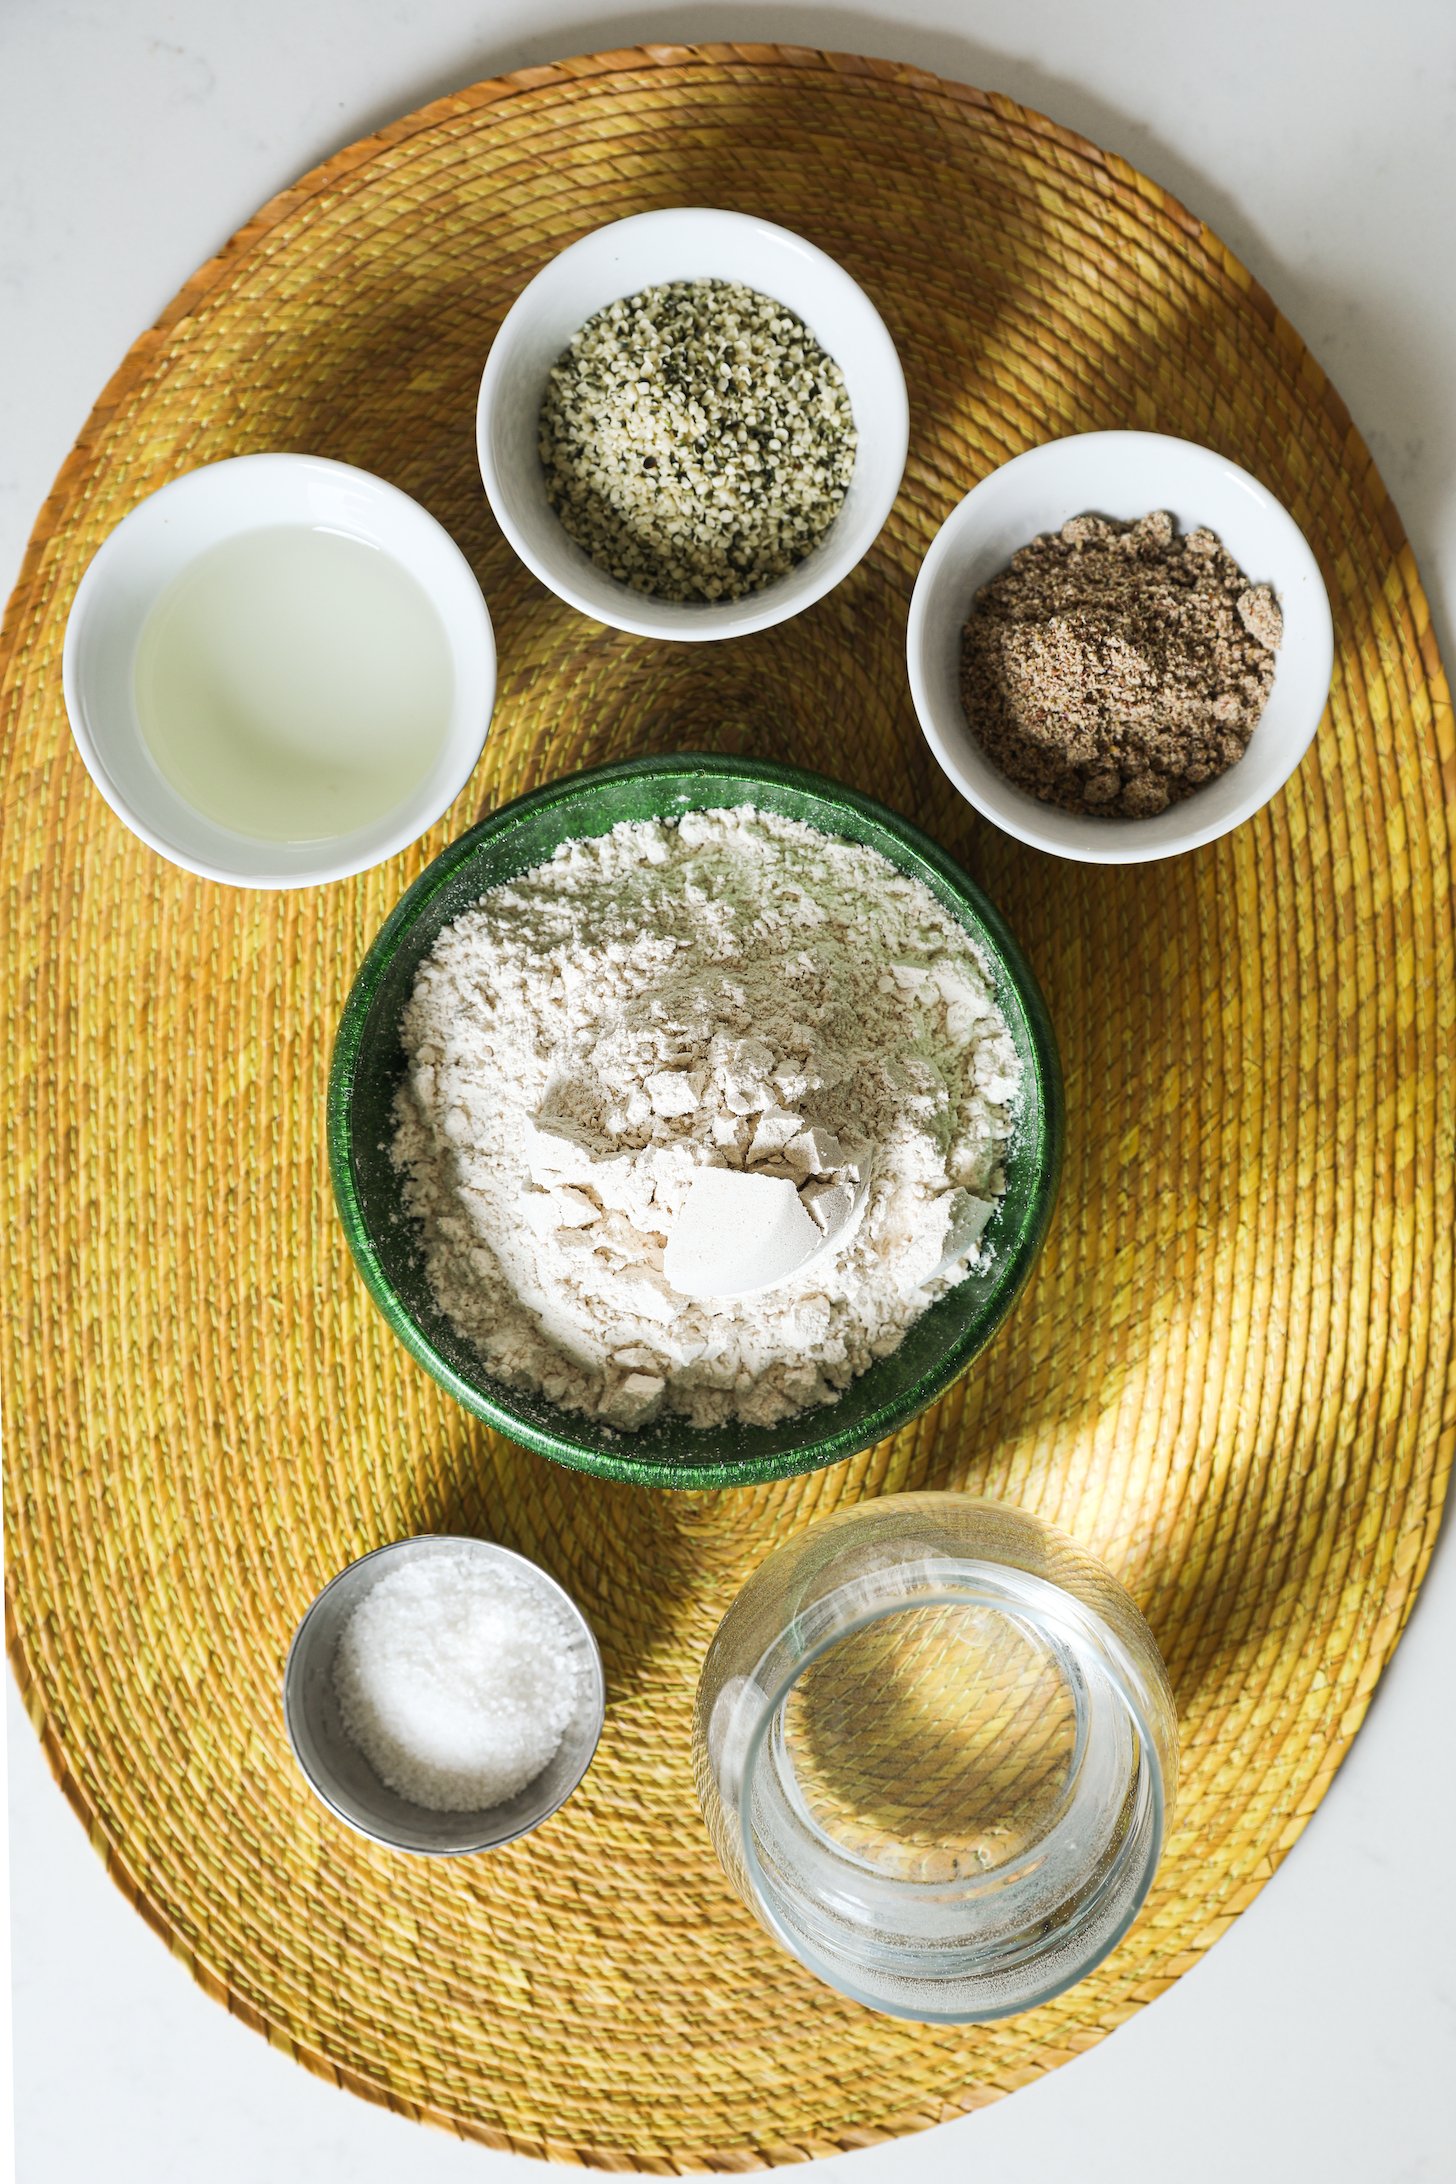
294	685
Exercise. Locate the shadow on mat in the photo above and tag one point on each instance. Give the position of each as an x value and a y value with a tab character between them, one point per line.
1143	1095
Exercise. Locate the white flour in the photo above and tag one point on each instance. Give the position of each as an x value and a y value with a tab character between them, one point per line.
737	990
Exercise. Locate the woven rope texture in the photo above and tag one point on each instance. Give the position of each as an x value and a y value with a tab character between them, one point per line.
1229	1375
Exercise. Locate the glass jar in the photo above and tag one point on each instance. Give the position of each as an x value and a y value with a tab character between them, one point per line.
936	1750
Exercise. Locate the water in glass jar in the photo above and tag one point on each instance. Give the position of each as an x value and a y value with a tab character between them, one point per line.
930	1745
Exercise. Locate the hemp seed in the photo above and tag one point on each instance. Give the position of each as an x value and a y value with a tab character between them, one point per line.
697	441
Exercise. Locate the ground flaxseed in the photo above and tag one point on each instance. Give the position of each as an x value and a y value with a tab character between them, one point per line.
1114	668
697	441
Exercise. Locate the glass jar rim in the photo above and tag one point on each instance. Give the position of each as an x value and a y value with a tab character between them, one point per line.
1022	1596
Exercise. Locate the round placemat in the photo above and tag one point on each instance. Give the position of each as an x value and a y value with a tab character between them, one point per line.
1227	1377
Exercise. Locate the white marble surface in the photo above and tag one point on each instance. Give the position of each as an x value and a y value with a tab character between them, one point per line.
1319	137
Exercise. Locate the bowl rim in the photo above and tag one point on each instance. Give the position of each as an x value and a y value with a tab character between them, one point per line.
1017	814
821	1445
289	1693
718	621
117	543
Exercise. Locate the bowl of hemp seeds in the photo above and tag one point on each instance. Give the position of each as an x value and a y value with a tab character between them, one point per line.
1119	646
692	424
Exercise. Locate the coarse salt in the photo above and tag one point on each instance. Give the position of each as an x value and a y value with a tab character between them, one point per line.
457	1678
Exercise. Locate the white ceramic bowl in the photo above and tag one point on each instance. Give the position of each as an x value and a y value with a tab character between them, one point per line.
154	544
1123	475
616	261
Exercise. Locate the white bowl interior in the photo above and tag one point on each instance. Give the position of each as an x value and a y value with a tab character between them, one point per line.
638	253
153	545
1122	475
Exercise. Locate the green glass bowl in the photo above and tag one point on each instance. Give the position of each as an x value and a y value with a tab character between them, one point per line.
368	1066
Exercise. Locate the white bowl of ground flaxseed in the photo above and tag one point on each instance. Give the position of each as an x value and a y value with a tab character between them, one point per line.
813	395
1121	478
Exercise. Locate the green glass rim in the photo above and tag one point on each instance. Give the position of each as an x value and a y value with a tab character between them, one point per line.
817	1440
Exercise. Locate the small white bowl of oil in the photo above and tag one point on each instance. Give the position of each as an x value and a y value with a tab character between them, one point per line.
279	670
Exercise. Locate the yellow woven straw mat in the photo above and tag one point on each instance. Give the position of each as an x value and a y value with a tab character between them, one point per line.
1229	1375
